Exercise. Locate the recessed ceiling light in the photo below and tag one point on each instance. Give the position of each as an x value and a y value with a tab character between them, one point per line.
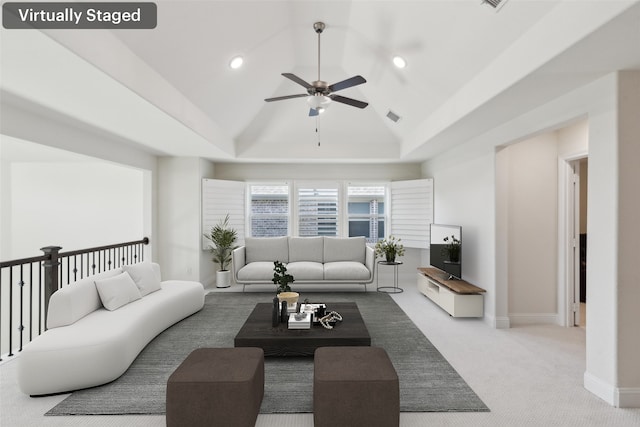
399	62
236	62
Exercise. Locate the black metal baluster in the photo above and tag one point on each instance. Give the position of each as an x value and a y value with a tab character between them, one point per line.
10	311
93	262
21	314
0	310
75	267
31	301
40	297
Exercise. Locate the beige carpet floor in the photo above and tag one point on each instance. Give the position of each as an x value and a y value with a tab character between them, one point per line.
528	376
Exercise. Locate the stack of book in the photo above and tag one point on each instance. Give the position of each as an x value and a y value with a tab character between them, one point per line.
300	320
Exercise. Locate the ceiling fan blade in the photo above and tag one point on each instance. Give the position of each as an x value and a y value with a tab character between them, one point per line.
313	112
349	101
280	98
298	80
353	81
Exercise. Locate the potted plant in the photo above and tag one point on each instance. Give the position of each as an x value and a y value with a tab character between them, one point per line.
223	238
390	248
282	279
452	249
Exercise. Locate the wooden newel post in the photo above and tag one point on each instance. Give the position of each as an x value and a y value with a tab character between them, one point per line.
50	276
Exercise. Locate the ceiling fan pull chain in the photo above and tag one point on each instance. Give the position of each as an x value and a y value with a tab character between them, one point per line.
317	131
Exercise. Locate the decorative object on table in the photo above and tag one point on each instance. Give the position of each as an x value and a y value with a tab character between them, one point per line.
284	313
223	238
452	249
282	279
275	312
390	248
300	320
317	310
332	317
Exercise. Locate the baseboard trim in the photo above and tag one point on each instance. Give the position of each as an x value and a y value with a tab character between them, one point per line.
533	318
600	388
502	322
620	397
627	397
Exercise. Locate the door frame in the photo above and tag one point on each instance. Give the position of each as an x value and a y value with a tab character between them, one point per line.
569	238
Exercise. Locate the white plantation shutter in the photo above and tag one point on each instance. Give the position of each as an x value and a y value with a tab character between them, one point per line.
219	198
412	211
318	210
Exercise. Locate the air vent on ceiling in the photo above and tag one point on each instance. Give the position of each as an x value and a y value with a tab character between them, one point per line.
393	116
496	4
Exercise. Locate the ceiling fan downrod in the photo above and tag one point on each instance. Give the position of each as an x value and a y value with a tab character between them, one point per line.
319	28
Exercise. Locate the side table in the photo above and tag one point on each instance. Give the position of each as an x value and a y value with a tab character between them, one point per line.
389	289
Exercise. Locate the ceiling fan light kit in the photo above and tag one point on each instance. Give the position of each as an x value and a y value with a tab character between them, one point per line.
319	94
318	102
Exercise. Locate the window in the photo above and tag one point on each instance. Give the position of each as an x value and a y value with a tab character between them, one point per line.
366	211
335	208
269	210
318	210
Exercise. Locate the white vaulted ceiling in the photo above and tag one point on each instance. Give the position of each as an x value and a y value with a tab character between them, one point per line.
469	68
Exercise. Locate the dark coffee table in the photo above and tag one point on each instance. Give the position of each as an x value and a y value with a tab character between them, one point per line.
282	341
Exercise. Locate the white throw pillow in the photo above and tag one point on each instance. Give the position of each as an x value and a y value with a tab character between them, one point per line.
117	291
143	275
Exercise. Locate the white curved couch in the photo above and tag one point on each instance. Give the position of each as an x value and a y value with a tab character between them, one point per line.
87	345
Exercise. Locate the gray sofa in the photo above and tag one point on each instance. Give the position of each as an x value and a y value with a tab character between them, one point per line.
310	260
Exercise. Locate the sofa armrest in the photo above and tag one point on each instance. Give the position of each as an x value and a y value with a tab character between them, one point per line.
370	259
238	260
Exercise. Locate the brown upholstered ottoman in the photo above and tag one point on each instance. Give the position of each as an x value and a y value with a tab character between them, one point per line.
355	386
217	387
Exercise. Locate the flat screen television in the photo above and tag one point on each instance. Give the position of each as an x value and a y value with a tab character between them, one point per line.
445	252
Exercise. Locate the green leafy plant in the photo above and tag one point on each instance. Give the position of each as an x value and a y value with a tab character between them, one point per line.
223	238
390	248
281	278
452	248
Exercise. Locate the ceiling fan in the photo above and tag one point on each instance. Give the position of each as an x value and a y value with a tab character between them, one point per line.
320	94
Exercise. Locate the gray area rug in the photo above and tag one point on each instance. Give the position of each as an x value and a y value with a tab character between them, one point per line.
428	383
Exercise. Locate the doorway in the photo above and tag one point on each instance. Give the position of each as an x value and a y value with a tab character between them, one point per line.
574	254
581	290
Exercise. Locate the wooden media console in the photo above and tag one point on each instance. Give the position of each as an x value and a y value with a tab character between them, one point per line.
457	297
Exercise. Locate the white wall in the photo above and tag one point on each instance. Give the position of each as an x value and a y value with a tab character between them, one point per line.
73	205
464	195
54	197
273	171
533	229
611	106
179	219
628	235
55	133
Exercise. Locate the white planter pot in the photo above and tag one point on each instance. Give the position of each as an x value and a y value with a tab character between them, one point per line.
223	278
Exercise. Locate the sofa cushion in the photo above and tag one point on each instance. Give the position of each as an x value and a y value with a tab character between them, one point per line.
117	291
346	270
256	271
344	249
305	270
74	301
145	277
306	249
266	249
